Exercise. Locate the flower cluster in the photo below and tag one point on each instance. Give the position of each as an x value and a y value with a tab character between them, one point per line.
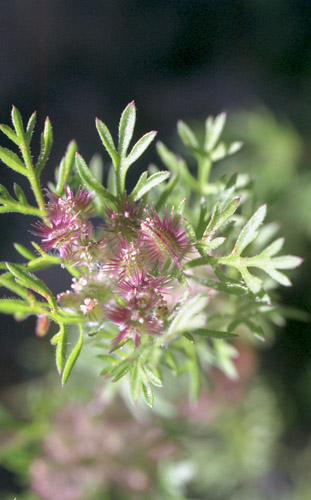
68	223
124	271
131	284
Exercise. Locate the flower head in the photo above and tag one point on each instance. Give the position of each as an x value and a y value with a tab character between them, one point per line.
144	309
68	223
166	238
125	220
134	319
139	285
76	203
126	258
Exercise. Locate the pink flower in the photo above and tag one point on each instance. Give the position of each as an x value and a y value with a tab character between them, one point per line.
165	239
68	223
77	203
125	220
126	260
134	321
144	309
139	285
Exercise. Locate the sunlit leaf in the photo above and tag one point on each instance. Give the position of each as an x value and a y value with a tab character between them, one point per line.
72	358
126	128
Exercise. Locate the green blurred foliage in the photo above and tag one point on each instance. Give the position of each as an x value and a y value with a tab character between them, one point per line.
277	155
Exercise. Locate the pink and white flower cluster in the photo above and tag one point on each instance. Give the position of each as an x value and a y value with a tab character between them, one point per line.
123	273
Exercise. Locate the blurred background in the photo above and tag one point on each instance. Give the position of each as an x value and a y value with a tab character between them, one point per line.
74	60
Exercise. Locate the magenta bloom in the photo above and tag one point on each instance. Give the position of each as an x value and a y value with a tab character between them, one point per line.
124	221
76	203
144	309
164	239
135	319
139	285
126	260
68	223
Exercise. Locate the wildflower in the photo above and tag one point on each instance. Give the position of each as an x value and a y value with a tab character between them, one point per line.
166	238
89	253
88	305
68	223
144	309
140	285
135	319
125	220
77	203
126	260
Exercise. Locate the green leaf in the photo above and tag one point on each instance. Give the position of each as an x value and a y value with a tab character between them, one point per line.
252	282
14	287
126	128
249	231
72	358
14	206
65	168
189	315
9	132
188	336
111	181
135	383
24	252
176	165
224	352
167	191
31	281
277	276
121	369
234	147
60	340
107	357
46	145
219	152
171	362
140	147
43	262
107	141
11	205
205	332
148	394
30	127
20	195
97	167
286	261
16	306
154	379
17	122
186	135
144	184
4	194
213	130
256	330
90	180
273	248
220	216
200	261
12	160
208	245
230	286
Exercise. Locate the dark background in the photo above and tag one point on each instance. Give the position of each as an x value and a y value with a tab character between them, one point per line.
74	60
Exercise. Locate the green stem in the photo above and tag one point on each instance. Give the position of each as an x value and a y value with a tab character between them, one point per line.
33	178
204	168
119	183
